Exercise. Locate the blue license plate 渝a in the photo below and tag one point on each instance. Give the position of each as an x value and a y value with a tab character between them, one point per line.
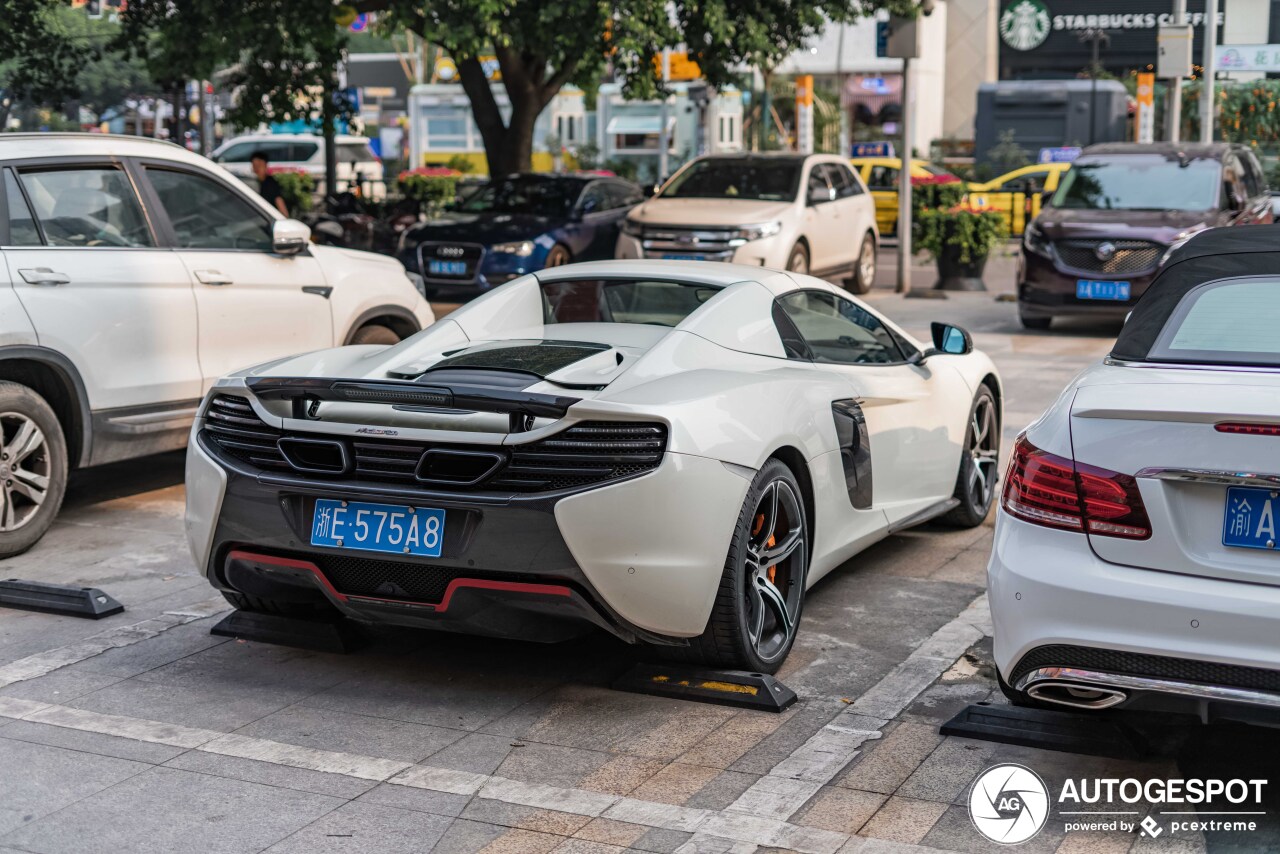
1090	289
447	268
392	528
1249	518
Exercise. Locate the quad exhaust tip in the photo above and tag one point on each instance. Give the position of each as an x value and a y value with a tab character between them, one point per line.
1077	695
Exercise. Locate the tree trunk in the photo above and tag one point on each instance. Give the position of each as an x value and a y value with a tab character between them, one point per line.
508	145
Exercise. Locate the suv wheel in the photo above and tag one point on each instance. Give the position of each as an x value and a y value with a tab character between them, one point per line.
798	260
33	468
864	269
375	334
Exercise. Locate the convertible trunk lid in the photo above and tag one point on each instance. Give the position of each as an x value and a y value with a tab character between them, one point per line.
1205	448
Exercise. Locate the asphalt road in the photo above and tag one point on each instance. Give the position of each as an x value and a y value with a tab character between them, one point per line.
144	733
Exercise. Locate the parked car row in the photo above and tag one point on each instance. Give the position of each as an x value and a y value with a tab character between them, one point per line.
802	213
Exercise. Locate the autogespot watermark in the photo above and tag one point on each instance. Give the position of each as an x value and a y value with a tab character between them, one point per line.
1010	804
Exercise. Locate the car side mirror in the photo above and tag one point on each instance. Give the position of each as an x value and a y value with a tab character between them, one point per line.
289	237
951	340
1046	196
821	195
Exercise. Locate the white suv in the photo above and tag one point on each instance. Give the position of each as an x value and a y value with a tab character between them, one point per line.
302	151
802	213
133	274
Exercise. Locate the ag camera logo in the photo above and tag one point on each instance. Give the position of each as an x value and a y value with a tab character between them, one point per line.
1009	804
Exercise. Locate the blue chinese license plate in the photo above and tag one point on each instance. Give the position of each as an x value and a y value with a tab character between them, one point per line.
1249	520
372	527
1089	289
447	268
682	257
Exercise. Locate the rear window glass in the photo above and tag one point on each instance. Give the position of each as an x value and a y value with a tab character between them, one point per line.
1227	322
354	152
622	301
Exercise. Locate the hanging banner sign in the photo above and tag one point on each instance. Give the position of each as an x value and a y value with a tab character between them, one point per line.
1247	57
1146	122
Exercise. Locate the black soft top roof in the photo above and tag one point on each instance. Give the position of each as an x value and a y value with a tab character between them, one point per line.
1217	253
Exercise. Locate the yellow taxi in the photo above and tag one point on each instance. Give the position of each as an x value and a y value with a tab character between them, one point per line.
1017	193
880	174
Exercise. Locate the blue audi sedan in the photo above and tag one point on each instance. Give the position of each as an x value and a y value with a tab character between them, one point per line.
514	225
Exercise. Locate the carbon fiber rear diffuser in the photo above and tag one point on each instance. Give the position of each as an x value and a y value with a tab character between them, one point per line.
722	687
337	635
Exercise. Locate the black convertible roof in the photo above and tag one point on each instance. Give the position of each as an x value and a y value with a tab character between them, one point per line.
1214	254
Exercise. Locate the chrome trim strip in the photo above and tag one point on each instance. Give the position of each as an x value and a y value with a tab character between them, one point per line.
1221	478
1098	679
1113	362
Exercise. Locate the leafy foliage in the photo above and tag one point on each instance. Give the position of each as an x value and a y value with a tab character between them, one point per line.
432	187
39	61
283	51
296	186
973	231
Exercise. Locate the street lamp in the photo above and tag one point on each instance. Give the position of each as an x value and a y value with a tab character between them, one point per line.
1097	37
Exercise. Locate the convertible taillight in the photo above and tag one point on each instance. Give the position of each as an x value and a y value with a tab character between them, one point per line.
1049	490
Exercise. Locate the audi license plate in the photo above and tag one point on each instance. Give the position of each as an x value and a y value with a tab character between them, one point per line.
447	268
1249	519
1089	289
392	528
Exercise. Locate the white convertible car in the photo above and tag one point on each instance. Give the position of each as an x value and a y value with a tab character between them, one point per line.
671	451
1136	558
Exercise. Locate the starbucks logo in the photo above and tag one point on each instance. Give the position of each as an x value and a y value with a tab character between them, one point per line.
1024	24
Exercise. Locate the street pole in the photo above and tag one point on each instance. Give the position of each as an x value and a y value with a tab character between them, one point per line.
1093	89
1207	75
1175	91
664	136
904	184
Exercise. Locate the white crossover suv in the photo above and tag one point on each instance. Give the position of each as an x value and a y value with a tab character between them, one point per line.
134	274
1136	562
795	212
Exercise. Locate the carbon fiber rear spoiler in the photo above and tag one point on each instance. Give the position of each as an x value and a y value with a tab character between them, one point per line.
305	391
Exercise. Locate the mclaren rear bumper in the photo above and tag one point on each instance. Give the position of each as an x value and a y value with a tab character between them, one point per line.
641	558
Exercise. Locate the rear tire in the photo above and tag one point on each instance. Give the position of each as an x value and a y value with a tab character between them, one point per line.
747	629
979	463
864	270
375	334
33	468
1037	323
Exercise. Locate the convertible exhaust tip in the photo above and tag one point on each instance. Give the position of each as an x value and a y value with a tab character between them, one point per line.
1076	695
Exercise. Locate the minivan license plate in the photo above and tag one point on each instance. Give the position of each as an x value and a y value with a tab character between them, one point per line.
392	528
1249	519
1089	289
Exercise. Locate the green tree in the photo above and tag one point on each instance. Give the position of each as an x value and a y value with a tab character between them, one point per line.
283	51
38	62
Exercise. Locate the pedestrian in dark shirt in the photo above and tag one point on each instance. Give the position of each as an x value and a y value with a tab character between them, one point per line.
268	186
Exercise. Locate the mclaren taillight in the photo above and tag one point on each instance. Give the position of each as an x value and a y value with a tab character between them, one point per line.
1060	493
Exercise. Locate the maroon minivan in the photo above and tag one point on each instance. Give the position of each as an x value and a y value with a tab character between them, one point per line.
1117	212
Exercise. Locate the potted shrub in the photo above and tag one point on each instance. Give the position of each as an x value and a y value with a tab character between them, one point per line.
960	238
296	186
431	187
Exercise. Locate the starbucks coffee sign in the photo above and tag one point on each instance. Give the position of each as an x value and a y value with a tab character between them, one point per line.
1025	24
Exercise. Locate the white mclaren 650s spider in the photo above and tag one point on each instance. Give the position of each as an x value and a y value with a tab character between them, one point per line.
671	451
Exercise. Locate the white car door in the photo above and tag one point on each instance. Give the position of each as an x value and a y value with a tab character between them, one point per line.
913	412
253	305
87	267
821	220
857	211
